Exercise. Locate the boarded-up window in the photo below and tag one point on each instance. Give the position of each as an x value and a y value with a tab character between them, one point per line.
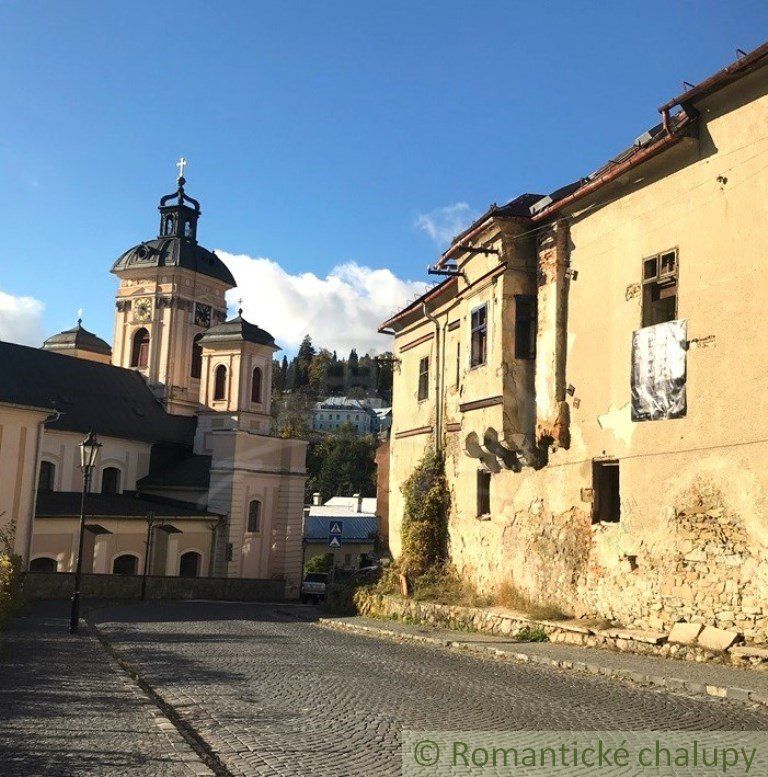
483	492
220	382
606	507
525	326
423	378
660	288
479	326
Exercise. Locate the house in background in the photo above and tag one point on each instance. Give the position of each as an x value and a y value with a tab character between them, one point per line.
335	412
358	521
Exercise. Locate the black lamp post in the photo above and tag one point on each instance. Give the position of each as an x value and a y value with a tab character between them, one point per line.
89	453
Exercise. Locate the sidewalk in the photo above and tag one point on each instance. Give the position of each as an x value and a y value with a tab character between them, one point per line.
682	676
66	708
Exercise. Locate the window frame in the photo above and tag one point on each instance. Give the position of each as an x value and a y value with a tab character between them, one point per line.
600	467
481	329
258	515
118	479
422	392
483	492
257	383
50	468
220	389
659	280
525	350
196	365
140	348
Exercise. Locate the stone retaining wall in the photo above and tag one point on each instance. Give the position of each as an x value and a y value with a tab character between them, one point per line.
60	585
499	621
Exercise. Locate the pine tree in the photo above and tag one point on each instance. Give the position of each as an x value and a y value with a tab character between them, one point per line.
303	362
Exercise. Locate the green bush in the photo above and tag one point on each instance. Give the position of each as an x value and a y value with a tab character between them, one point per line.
531	634
319	564
425	520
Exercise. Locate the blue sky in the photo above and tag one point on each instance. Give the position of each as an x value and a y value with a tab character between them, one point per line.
320	135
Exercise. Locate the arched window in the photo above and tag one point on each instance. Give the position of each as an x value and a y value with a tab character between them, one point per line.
110	480
197	357
220	382
169	225
140	350
47	474
43	564
189	564
125	565
256	385
254	516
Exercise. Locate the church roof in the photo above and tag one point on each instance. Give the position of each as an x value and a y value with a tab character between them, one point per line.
191	472
77	338
112	401
52	504
238	330
174	252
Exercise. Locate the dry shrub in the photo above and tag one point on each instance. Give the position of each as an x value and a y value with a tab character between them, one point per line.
444	585
508	595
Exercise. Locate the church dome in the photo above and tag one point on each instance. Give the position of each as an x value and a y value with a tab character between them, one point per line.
238	330
77	339
176	245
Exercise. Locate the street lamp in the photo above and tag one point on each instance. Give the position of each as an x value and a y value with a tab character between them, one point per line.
89	453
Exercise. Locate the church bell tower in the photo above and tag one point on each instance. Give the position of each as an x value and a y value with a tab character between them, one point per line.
171	291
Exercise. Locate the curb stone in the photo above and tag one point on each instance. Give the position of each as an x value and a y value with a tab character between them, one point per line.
672	684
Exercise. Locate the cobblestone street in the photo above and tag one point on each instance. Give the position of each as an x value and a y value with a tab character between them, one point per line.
274	695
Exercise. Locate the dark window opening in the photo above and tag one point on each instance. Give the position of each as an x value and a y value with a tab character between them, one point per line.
43	564
483	492
189	564
47	475
458	364
125	565
660	288
110	480
196	369
140	350
256	385
525	326
423	378
169	225
220	382
479	326
254	516
606	507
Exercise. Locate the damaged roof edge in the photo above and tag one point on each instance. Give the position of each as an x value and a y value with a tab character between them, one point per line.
428	295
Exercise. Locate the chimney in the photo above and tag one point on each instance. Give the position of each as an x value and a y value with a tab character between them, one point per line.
359	499
316	499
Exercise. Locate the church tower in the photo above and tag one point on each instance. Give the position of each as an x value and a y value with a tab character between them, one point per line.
171	291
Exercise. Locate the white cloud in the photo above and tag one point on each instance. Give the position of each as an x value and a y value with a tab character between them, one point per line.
20	319
340	312
443	224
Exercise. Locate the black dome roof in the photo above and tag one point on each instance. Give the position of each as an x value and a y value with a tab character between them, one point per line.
174	252
77	338
238	329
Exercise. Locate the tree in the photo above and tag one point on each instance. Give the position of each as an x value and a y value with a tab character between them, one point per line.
318	372
384	376
341	464
292	414
303	362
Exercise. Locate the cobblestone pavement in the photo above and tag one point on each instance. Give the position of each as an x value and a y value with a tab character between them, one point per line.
273	695
67	709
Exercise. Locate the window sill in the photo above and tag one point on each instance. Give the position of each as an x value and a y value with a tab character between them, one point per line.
484	517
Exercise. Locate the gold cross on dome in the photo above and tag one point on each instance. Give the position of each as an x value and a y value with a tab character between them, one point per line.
181	164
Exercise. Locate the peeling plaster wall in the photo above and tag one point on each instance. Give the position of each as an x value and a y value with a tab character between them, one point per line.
691	543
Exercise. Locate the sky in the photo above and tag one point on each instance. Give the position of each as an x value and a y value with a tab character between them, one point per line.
335	147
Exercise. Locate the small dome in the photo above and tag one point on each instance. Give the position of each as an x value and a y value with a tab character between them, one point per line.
238	330
79	339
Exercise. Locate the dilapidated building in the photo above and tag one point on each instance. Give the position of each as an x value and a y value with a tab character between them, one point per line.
592	365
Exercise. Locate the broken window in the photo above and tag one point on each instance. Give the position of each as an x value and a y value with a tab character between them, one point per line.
660	288
423	378
479	323
525	326
483	492
606	507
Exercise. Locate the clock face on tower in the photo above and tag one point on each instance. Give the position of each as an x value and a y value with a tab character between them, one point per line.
202	315
142	309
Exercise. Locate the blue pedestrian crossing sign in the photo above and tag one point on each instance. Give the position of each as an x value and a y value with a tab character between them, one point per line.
334	541
337	528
